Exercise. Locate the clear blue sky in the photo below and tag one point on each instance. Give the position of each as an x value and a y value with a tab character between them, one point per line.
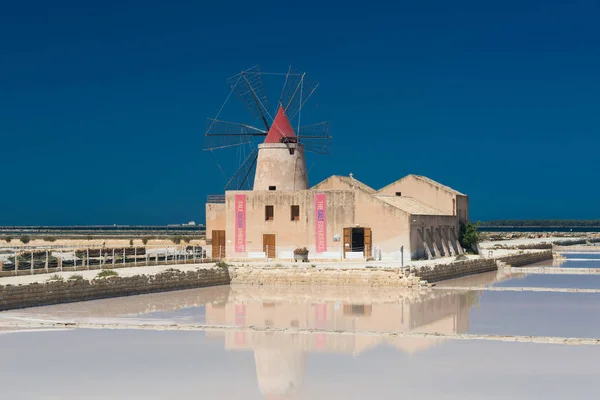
103	104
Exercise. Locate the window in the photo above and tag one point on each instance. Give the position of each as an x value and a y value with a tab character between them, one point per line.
295	213
398	193
269	213
272	187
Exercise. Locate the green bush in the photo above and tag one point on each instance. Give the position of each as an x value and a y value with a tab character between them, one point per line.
221	264
49	239
106	273
469	235
76	277
131	242
176	239
25	239
8	239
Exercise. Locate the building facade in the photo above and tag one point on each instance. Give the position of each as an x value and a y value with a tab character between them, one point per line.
339	218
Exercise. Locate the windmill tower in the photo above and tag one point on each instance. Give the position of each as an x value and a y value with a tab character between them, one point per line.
278	163
281	164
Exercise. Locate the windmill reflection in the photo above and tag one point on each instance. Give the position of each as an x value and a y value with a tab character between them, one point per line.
281	356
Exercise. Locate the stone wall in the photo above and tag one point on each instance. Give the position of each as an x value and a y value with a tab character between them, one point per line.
442	272
379	277
54	292
519	260
293	276
459	269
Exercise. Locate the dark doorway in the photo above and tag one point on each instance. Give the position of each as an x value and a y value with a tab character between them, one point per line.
357	239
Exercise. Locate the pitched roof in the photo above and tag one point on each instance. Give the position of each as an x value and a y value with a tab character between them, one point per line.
354	182
280	128
430	181
409	205
350	181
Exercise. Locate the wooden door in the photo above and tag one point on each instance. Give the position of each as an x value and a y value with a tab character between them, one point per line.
269	245
368	241
218	245
347	240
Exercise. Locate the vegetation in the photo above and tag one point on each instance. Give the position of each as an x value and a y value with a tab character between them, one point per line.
469	235
146	239
76	277
49	239
461	257
56	278
221	264
8	239
106	273
25	239
176	239
543	223
301	251
131	242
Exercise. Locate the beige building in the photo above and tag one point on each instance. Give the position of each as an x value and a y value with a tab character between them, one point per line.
339	218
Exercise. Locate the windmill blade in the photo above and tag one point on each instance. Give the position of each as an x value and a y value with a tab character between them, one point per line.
316	138
222	134
243	178
298	89
250	88
318	146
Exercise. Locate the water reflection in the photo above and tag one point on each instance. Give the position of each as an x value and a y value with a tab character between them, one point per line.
280	357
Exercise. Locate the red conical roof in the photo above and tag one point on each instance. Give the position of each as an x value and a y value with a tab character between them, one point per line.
280	128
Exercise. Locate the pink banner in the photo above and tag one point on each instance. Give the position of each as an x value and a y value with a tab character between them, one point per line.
321	222
240	223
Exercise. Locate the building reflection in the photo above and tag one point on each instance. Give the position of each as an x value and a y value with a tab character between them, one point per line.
361	313
281	356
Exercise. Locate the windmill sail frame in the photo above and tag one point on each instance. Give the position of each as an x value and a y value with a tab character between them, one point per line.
250	89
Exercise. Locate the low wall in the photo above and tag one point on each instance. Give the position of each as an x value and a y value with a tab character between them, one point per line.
54	292
442	272
293	276
577	248
459	269
519	260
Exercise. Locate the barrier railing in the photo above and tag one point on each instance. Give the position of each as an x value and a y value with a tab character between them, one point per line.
79	259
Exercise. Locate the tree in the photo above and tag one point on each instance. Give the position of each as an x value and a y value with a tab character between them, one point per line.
469	235
25	239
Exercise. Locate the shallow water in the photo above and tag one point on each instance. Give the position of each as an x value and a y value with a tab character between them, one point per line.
581	260
88	364
339	361
585	281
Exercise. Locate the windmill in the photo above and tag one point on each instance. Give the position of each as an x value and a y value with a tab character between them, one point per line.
278	124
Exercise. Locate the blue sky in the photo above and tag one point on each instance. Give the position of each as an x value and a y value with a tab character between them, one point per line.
103	104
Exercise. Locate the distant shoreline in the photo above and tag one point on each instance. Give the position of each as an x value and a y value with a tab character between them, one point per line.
579	229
